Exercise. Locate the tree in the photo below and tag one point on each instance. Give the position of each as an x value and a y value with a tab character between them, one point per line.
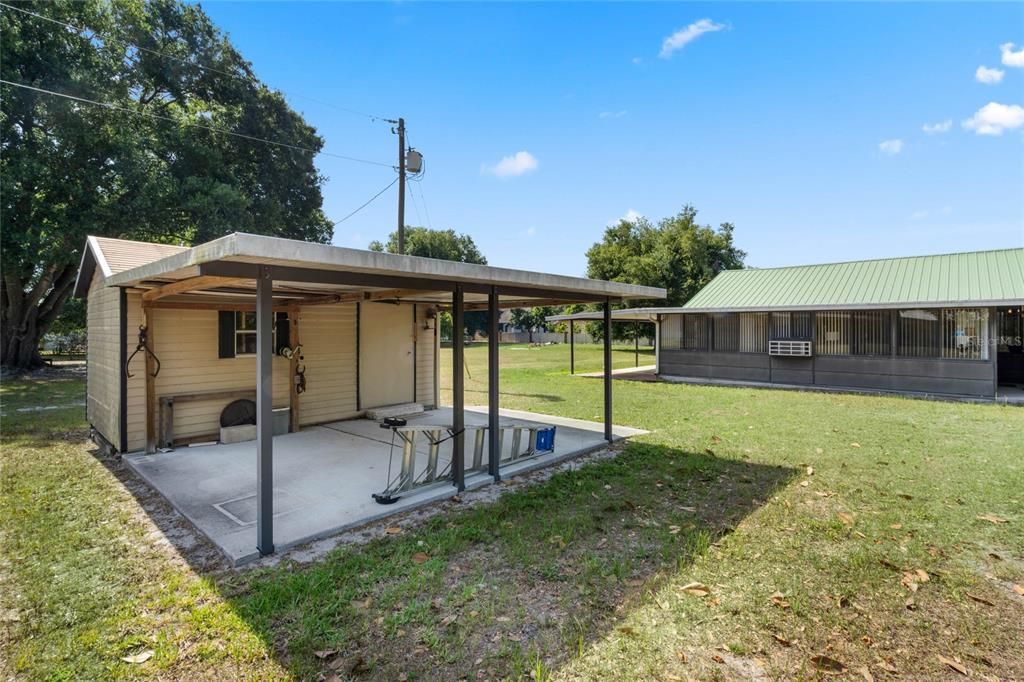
141	168
677	254
443	245
532	319
440	244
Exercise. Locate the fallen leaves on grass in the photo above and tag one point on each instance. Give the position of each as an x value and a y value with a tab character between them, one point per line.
887	666
1019	589
393	530
980	600
810	471
866	674
912	579
991	518
697	589
782	640
140	657
420	557
854	445
846	518
717	659
779	600
325	653
827	664
954	664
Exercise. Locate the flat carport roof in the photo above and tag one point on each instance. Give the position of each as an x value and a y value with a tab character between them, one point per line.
621	315
223	271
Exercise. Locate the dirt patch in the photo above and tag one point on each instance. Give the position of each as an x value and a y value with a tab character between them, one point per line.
166	529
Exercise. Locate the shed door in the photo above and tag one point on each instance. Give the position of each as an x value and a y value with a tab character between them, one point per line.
386	359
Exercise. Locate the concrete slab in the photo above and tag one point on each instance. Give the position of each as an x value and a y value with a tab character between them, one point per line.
324	476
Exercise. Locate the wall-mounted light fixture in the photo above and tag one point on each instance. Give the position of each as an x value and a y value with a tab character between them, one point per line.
428	319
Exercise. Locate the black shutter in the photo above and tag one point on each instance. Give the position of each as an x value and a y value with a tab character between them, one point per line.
226	333
282	332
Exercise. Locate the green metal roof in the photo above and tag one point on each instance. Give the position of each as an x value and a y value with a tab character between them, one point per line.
974	278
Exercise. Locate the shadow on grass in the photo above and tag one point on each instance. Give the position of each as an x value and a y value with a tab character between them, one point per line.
490	589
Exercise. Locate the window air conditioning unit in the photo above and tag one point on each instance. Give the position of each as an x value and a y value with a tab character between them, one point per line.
790	349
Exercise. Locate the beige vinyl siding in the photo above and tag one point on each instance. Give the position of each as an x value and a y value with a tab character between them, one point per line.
186	343
136	384
426	358
103	386
328	337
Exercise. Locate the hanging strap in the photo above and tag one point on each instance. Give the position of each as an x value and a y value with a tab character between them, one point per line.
142	346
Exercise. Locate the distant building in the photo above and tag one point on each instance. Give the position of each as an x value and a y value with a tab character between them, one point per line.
942	325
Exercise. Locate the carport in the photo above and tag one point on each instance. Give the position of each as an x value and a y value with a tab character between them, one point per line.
266	275
633	315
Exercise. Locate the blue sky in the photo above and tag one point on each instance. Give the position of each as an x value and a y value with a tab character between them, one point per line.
802	124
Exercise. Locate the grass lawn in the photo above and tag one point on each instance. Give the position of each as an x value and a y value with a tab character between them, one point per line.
752	534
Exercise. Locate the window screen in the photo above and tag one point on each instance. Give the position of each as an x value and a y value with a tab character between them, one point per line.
726	332
919	333
965	333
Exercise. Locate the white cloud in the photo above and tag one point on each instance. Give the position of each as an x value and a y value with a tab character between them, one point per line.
994	118
919	215
511	166
936	128
683	36
638	60
1011	58
613	114
631	216
988	76
891	147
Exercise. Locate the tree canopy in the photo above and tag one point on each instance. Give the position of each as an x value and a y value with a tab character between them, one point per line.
147	166
676	254
441	244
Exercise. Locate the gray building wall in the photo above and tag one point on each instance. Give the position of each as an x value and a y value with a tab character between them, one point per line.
973	378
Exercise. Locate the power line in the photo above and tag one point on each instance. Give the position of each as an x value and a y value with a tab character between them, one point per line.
412	195
211	69
423	198
368	202
117	107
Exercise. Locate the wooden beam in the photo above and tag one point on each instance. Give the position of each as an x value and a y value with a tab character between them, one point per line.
210	305
528	303
191	284
396	294
151	405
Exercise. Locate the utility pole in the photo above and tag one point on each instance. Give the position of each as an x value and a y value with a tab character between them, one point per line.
401	185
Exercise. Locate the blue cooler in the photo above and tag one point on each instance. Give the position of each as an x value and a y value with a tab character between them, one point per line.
546	439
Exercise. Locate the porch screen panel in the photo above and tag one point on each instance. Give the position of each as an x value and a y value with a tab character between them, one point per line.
870	332
695	332
791	325
918	333
833	333
726	332
672	332
965	333
753	332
